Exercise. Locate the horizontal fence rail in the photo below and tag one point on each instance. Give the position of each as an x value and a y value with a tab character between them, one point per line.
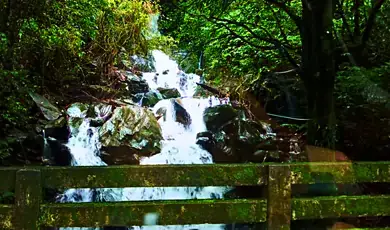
277	210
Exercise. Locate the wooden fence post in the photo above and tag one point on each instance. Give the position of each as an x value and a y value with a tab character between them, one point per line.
28	195
279	197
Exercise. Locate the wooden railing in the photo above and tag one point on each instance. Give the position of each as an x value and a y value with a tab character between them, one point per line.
277	210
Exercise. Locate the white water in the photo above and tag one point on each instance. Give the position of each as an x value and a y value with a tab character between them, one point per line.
178	146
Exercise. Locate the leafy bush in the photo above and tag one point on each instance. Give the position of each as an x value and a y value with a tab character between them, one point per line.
363	107
59	48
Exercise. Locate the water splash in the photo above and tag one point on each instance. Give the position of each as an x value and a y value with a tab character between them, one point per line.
178	147
169	75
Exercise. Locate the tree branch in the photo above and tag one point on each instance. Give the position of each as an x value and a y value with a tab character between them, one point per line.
297	20
242	38
345	22
275	42
370	22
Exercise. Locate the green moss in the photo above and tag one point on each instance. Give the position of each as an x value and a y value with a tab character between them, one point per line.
7	178
5	216
340	206
318	172
170	212
154	176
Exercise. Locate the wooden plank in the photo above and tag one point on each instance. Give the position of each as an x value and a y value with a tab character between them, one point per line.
153	176
170	212
6	216
7	178
28	195
340	206
202	175
279	197
340	172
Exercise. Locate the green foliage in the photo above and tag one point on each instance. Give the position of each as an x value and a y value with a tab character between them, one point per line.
121	25
58	48
243	42
361	86
235	38
363	109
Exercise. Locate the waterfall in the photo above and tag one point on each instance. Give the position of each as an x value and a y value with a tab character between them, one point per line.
178	147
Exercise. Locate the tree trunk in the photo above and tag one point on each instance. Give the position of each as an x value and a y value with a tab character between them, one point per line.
319	70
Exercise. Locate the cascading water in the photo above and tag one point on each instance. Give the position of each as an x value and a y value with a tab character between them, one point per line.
178	147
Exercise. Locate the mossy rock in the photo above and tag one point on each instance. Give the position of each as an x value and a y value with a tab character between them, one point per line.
216	117
169	93
132	129
149	99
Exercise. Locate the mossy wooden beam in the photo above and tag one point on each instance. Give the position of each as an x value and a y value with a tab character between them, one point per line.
170	212
154	176
279	197
340	206
6	216
340	172
28	195
201	175
7	178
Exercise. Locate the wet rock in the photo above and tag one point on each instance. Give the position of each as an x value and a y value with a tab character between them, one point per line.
97	122
216	117
205	140
149	99
98	112
168	93
136	84
23	148
32	149
130	133
267	156
57	129
39	148
144	64
155	78
50	111
56	153
161	113
119	156
234	137
183	80
182	116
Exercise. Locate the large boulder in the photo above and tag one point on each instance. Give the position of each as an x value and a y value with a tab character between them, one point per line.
168	93
144	64
56	153
148	99
136	84
233	138
181	114
131	132
97	112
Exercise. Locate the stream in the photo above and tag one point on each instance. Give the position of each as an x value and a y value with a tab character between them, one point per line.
178	147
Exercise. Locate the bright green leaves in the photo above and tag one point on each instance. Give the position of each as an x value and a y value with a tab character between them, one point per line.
236	37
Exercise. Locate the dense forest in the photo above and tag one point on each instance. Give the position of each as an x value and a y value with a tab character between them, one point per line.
329	59
326	62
